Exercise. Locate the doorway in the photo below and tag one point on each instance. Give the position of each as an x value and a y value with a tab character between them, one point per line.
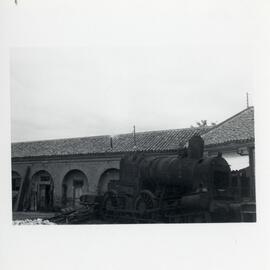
74	185
42	192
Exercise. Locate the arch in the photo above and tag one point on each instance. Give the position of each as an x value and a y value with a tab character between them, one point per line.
106	177
42	186
15	184
74	185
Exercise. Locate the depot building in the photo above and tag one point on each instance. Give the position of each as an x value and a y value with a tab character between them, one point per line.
60	171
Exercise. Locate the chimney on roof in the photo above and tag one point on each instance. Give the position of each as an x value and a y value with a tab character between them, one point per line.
111	142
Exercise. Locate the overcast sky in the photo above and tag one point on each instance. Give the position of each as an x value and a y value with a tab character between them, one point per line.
153	65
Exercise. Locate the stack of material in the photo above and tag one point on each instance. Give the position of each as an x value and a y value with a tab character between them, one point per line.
38	221
75	216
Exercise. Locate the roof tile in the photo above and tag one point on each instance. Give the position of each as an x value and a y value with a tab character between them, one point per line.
236	129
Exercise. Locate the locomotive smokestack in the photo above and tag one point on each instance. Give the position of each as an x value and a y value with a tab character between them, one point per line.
195	147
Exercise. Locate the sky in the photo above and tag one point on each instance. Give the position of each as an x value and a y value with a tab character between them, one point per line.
147	64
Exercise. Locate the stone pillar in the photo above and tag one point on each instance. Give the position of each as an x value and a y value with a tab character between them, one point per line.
251	154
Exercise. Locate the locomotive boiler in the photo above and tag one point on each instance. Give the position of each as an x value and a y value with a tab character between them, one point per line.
186	187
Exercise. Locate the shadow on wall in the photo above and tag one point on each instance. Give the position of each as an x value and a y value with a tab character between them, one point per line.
106	177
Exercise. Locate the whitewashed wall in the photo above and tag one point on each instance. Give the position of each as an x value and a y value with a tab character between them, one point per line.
236	161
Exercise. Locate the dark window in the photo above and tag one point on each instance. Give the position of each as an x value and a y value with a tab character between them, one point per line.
44	178
16	183
78	183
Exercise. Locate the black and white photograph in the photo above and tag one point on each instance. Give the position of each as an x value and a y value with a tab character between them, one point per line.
135	120
77	158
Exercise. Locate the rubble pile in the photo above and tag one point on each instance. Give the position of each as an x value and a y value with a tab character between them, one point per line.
38	221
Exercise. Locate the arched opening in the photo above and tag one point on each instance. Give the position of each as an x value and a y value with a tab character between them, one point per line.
41	192
74	185
16	184
107	177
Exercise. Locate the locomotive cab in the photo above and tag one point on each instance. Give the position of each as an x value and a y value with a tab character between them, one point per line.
209	174
221	179
213	175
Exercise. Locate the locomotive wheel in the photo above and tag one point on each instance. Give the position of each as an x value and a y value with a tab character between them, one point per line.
145	201
109	202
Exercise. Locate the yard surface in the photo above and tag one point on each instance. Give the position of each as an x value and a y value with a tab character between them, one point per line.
32	215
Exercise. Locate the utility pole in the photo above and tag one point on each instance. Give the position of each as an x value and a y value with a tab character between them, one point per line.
247	100
134	138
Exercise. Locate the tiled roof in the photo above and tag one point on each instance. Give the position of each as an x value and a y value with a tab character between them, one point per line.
156	140
163	140
237	129
73	146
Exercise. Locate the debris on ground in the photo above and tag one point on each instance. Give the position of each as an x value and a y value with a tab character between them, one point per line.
37	221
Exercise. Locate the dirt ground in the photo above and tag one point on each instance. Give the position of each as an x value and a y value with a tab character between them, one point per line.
32	215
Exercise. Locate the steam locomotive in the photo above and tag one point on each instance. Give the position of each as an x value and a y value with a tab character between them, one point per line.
183	188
